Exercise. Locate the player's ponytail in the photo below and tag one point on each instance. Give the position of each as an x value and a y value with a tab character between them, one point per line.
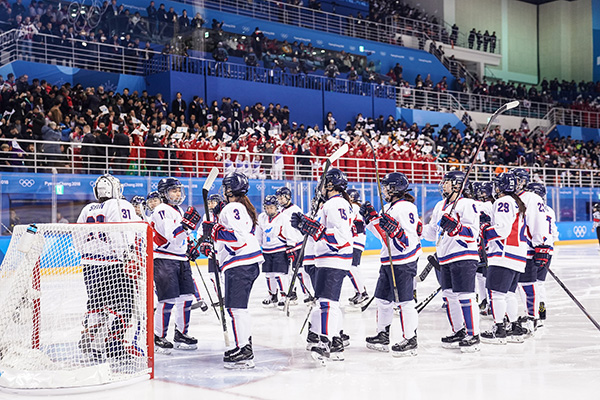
346	197
520	204
408	197
249	208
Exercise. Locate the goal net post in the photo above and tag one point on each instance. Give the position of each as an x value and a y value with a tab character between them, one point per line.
77	306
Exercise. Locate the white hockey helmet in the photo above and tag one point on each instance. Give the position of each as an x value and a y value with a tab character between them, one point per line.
107	187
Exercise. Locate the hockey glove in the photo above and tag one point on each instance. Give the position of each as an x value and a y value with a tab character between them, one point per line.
368	212
206	248
130	264
484	218
308	226
360	226
542	256
450	225
292	255
190	218
192	251
483	236
390	226
207	227
218	208
296	220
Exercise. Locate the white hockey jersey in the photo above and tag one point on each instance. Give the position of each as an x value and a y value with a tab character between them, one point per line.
596	219
535	220
268	233
507	242
552	233
485	207
236	245
334	248
170	238
292	236
462	246
102	248
359	238
407	248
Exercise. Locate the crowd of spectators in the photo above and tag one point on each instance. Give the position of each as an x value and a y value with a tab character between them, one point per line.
126	131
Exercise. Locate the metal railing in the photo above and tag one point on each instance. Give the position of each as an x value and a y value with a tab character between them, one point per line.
570	117
171	160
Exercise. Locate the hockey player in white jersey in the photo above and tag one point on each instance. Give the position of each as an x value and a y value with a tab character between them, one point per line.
152	200
215	205
332	233
505	236
552	236
482	194
293	243
239	256
104	258
360	238
458	257
596	220
540	250
400	222
172	271
139	204
273	243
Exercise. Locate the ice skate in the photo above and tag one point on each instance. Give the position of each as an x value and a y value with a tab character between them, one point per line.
352	299
497	335
406	348
451	342
515	333
239	358
201	304
381	341
308	299
162	345
182	341
360	299
293	299
320	351
542	312
529	325
270	301
311	340
345	339
470	344
336	352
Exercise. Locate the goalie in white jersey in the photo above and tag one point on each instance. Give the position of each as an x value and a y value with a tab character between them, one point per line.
332	233
239	255
172	271
506	257
105	259
551	236
400	225
458	256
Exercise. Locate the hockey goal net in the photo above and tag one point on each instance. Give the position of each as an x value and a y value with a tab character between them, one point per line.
76	305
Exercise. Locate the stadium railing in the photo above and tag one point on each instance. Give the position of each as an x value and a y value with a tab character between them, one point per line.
80	158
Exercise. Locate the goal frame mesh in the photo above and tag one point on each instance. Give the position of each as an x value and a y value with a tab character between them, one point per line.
49	374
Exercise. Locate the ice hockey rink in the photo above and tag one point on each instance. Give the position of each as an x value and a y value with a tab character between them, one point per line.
561	361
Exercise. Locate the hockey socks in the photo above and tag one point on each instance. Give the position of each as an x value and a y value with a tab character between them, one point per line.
182	317
162	316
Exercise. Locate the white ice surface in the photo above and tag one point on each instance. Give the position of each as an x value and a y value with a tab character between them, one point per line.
561	362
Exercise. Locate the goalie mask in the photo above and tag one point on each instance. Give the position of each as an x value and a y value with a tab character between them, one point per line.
171	191
107	187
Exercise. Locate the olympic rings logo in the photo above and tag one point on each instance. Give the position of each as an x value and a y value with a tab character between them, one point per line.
27	183
154	186
260	186
580	230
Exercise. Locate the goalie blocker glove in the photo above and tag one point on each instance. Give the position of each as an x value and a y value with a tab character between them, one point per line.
307	226
542	255
190	219
368	212
450	225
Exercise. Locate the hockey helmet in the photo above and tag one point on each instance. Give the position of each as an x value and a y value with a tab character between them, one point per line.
284	195
107	187
215	197
456	178
235	184
138	201
268	203
522	176
394	184
506	182
337	179
537	188
166	185
354	195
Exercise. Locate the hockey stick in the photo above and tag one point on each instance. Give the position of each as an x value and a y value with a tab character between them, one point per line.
212	303
504	108
315	207
364	308
581	307
433	262
312	305
387	238
214	172
419	307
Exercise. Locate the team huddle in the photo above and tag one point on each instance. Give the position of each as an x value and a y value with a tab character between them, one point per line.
493	242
